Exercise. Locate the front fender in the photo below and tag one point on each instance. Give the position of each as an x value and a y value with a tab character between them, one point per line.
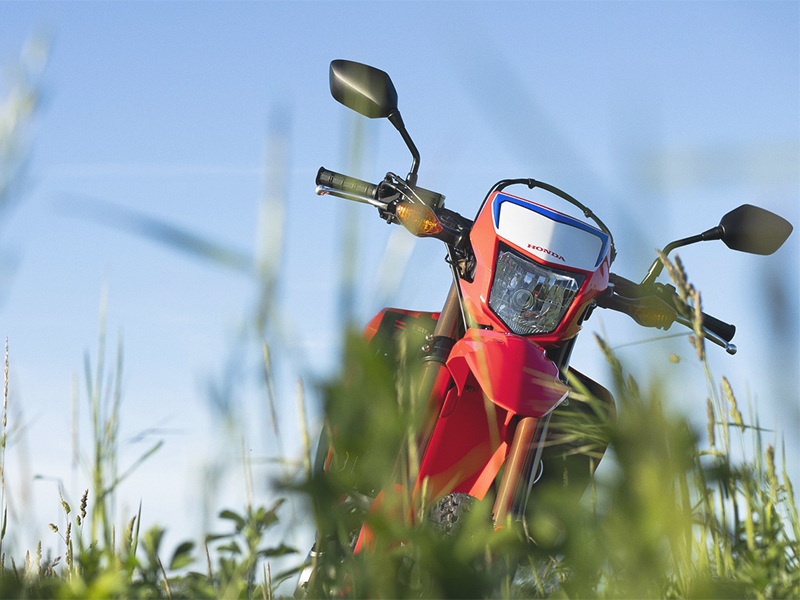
511	370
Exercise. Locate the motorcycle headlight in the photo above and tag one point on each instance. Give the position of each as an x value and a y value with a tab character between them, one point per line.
529	298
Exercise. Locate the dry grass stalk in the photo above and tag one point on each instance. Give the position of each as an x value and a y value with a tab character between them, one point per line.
164	575
270	385
266	590
711	422
208	561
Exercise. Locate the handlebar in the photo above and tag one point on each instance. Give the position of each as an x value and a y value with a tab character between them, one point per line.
657	306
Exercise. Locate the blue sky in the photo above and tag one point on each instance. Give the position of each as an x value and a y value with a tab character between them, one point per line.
661	116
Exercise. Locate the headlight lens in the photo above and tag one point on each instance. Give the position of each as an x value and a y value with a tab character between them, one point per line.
528	298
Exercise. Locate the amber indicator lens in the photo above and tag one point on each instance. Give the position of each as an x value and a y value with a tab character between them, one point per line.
418	219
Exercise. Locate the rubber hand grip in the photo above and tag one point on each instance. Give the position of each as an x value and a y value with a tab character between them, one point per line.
346	184
724	330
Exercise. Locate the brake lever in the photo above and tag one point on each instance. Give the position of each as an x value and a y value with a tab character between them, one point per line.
324	190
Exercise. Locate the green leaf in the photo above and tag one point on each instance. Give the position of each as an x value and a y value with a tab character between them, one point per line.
152	539
182	556
233	548
232	516
281	550
265	518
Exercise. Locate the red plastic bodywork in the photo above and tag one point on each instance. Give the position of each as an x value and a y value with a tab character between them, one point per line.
497	376
512	371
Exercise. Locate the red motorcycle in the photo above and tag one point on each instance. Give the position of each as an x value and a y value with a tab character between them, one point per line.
495	360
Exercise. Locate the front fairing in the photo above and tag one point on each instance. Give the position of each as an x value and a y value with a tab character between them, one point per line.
498	378
512	372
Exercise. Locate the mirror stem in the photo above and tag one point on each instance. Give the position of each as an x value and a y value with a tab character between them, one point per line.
715	233
396	120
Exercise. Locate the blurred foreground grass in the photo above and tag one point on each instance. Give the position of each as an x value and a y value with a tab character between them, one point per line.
677	516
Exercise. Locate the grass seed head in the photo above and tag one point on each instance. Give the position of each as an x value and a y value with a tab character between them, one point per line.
770	462
129	530
736	415
84	503
697	325
53	527
681	278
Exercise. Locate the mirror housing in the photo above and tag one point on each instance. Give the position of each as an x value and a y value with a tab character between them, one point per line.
370	92
754	230
747	229
364	89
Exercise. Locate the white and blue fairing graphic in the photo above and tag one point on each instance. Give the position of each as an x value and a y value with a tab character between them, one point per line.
548	235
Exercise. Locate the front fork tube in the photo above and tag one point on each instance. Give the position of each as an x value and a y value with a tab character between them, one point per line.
524	457
435	378
522	465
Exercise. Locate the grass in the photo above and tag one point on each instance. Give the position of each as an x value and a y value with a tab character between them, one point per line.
677	516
